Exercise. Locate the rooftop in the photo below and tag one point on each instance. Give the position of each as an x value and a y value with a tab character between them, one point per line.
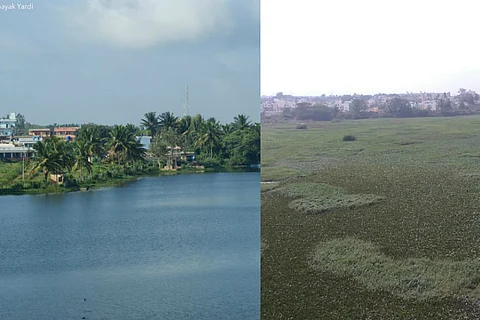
42	129
13	148
66	129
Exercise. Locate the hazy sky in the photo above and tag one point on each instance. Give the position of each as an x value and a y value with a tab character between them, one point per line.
310	47
112	61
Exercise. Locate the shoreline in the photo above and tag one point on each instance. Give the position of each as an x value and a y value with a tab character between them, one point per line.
119	182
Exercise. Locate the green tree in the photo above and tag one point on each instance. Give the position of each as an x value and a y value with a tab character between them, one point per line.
82	157
52	156
242	147
151	123
168	120
123	146
228	128
20	125
209	136
93	137
186	130
358	106
398	107
444	105
164	146
241	122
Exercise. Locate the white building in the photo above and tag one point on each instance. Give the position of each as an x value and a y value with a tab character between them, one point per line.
7	125
346	106
145	141
9	151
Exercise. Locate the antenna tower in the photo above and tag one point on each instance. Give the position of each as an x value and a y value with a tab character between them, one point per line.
185	102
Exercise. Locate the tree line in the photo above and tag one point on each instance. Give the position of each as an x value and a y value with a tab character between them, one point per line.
214	144
467	102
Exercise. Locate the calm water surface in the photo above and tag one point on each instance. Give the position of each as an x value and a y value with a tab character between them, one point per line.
178	247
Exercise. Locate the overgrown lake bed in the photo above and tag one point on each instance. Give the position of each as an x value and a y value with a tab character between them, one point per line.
383	227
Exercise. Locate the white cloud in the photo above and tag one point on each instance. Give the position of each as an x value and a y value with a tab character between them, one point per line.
143	23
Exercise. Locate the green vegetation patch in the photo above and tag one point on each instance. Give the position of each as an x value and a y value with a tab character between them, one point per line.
413	278
9	171
267	186
277	173
320	197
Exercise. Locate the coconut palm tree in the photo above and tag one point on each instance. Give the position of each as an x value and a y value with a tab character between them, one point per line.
90	136
183	124
196	123
167	120
82	155
209	136
151	123
123	146
52	156
241	122
135	151
185	129
212	120
195	127
227	128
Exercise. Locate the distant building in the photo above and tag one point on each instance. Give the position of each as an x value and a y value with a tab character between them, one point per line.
57	178
7	125
40	132
145	141
10	151
27	141
66	132
346	106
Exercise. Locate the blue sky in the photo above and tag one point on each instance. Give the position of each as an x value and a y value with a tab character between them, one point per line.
112	61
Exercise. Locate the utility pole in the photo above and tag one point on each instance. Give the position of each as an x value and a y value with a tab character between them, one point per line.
23	167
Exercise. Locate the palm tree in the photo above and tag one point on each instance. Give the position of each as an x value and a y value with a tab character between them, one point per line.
212	120
90	135
210	136
195	127
183	124
227	128
186	129
82	155
196	123
241	122
52	156
151	123
123	145
135	151
167	120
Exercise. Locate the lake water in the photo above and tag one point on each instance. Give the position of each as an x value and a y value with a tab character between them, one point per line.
174	247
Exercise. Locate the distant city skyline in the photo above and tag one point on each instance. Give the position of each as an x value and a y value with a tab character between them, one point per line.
111	62
286	93
343	47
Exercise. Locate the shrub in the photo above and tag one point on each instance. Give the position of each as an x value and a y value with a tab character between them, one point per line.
422	113
349	138
214	163
302	126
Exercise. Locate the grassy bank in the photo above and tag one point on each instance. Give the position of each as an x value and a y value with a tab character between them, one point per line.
384	227
11	182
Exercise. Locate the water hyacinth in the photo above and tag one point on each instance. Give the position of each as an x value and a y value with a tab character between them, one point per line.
412	254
